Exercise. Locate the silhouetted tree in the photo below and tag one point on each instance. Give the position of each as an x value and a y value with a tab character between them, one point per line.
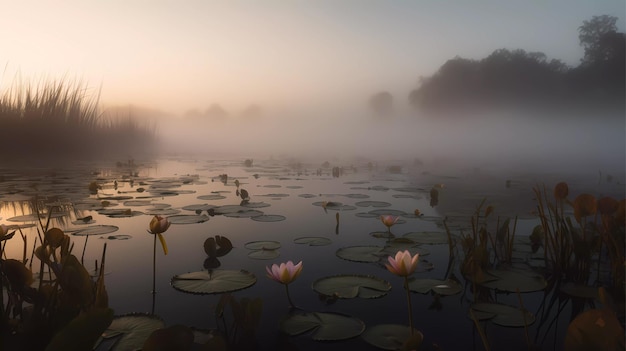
593	38
381	103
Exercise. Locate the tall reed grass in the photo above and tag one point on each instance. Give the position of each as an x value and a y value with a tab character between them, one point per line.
61	120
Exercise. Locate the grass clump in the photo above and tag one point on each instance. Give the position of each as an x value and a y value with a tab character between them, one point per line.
61	120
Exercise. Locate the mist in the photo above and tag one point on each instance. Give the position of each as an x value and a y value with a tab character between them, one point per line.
506	140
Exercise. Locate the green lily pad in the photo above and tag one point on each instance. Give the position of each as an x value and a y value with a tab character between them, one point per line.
211	197
137	203
262	245
434	238
389	336
579	290
187	219
361	253
358	196
323	326
511	280
372	204
390	212
441	287
307	196
161	211
134	329
313	241
198	207
119	237
504	315
219	281
264	254
256	204
351	286
269	218
244	214
97	230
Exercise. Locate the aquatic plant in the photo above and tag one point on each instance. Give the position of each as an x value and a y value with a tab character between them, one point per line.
158	226
403	265
285	273
389	221
61	119
66	310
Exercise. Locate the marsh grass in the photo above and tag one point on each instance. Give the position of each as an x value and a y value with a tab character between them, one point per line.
61	119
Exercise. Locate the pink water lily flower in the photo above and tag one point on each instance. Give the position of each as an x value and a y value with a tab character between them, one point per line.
403	264
389	220
159	225
285	273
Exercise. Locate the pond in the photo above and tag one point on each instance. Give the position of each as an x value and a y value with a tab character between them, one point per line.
326	216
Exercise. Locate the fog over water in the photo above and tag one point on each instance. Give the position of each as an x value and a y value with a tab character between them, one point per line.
505	141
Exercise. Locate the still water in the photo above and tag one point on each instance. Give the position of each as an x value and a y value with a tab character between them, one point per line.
290	194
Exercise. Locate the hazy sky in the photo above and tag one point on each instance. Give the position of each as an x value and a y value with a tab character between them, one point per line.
178	55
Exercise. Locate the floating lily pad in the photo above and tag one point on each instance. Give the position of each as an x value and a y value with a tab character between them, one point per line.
133	330
511	280
262	245
269	218
294	187
97	230
323	326
244	214
361	253
441	287
372	204
392	248
221	210
409	189
351	286
137	203
125	214
307	196
274	195
406	196
389	336
367	215
162	211
198	207
504	315
256	204
219	281
211	197
313	241
33	217
116	198
264	254
387	212
187	219
434	238
578	290
357	196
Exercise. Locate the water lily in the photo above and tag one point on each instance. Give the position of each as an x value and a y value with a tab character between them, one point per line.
158	226
389	220
403	265
285	273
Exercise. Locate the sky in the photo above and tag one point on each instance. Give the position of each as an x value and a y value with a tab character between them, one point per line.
182	55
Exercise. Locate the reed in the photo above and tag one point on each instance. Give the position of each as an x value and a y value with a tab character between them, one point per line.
62	119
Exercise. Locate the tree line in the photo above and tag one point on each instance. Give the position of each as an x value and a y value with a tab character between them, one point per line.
519	79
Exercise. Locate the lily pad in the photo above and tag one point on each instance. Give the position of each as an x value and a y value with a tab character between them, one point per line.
219	281
313	241
307	196
372	204
357	196
137	203
187	219
198	207
434	238
351	286
441	287
391	212
97	230
256	204
262	245
264	254
133	330
323	326
511	280
361	253
211	197
389	336
269	218
504	315
119	237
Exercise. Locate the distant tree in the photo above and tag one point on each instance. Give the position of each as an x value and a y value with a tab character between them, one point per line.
593	34
381	103
216	112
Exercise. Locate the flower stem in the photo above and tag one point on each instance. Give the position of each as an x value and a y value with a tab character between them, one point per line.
154	266
408	299
288	296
